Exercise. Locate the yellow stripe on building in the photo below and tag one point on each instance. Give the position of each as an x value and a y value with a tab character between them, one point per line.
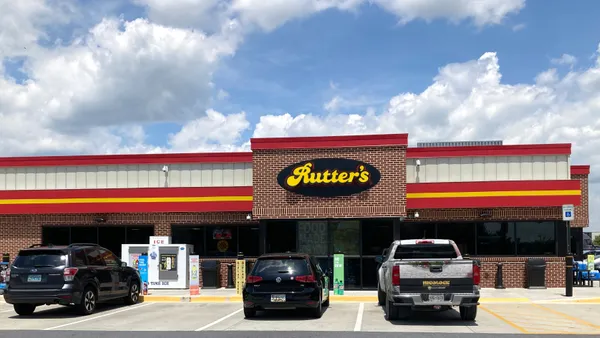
126	200
494	193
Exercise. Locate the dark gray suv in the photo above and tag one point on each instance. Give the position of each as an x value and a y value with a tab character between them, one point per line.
80	274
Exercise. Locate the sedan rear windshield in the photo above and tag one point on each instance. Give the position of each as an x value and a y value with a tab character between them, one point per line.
40	259
425	251
284	265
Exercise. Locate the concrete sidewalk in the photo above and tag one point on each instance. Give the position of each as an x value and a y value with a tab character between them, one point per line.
590	295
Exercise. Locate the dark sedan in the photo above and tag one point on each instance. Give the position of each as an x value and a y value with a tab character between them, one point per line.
286	281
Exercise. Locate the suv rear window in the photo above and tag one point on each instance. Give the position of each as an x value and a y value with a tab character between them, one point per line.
274	266
40	259
424	251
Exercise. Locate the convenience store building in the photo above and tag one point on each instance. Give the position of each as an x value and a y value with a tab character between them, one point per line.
321	195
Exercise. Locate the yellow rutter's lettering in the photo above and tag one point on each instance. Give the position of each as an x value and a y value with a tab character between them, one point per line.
304	175
314	178
299	174
364	174
343	177
327	176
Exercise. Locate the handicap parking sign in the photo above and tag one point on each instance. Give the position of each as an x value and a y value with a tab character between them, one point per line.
567	211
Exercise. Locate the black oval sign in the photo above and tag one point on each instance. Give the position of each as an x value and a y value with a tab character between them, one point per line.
329	177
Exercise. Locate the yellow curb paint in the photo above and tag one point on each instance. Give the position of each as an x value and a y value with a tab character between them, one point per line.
588	301
504	300
165	299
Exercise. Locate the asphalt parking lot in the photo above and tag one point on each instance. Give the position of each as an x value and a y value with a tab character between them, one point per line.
521	318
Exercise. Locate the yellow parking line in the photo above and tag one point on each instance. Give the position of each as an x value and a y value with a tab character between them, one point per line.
564	315
522	330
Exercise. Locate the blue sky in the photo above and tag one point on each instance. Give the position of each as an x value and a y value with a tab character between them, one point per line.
135	76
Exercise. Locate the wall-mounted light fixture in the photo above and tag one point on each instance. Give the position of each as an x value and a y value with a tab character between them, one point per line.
249	217
100	220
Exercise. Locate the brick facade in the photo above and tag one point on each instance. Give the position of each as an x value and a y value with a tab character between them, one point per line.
582	218
514	271
386	199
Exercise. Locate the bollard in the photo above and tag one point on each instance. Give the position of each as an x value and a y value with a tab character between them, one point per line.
499	278
230	276
569	276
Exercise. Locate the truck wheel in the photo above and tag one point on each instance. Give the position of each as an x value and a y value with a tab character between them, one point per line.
381	297
468	313
249	313
391	311
24	309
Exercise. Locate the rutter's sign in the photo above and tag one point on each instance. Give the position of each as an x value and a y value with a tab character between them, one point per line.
329	177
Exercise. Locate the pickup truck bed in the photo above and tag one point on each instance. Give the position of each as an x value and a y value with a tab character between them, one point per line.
428	275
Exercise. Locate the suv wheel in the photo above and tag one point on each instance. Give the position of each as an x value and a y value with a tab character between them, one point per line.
24	309
88	302
134	293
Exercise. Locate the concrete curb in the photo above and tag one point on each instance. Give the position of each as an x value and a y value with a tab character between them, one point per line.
333	298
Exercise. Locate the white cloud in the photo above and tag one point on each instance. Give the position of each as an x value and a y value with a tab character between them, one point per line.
119	73
565	59
481	12
519	27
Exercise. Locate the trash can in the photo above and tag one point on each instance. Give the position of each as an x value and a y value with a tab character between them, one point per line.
536	273
211	278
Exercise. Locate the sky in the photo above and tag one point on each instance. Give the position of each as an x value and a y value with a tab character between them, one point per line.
152	76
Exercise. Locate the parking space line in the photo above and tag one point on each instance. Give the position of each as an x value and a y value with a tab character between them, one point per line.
100	316
564	315
522	330
359	317
219	320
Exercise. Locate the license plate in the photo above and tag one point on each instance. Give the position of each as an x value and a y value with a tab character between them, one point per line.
34	278
436	298
277	298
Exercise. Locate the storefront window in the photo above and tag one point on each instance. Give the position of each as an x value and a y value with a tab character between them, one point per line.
221	241
536	238
463	234
376	236
417	230
346	237
189	235
312	237
496	238
56	235
281	236
249	238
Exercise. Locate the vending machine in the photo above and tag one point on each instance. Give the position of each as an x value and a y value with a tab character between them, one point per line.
168	264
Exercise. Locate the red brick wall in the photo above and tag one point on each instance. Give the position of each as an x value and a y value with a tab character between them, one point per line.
21	231
582	218
513	214
387	198
514	271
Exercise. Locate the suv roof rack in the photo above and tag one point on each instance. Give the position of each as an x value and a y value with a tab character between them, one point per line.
83	244
40	245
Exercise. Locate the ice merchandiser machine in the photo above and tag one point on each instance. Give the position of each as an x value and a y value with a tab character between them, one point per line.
168	264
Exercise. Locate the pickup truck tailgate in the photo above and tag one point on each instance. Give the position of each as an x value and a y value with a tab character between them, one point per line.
435	276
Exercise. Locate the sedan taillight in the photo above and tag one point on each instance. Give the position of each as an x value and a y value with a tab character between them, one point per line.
306	279
69	274
253	279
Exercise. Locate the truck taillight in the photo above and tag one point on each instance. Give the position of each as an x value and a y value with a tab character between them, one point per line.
396	275
476	274
69	274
